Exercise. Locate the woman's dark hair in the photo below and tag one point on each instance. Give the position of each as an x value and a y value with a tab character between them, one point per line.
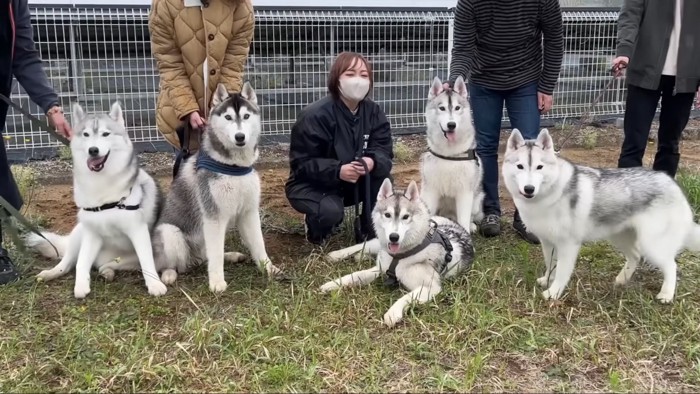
342	63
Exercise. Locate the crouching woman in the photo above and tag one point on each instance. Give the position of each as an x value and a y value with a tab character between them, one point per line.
330	140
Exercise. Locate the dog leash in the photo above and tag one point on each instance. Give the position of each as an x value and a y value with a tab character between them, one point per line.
4	203
584	119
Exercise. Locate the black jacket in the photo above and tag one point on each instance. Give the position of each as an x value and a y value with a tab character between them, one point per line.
327	135
643	34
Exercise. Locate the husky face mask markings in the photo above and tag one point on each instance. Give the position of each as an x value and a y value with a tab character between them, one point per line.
533	168
447	108
238	119
413	247
99	135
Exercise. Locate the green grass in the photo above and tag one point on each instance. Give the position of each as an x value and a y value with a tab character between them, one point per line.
489	330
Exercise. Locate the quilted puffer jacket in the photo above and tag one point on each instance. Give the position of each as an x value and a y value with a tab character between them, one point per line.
181	39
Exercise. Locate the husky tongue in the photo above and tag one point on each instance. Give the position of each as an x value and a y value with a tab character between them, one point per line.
393	247
96	163
451	136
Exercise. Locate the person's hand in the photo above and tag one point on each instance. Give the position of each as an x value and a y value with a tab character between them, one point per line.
360	168
697	99
58	121
348	173
544	102
196	121
619	64
446	85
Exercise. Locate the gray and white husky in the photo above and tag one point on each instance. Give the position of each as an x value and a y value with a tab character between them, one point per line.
643	213
415	249
216	189
119	205
451	172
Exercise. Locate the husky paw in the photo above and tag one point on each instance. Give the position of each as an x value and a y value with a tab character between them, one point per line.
157	288
234	257
622	278
107	273
334	257
168	276
46	275
552	293
329	286
81	290
543	281
664	298
472	228
392	316
217	286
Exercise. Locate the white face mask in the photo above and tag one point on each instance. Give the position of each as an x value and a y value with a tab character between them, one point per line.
354	88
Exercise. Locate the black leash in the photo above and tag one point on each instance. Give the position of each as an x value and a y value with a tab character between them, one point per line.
4	203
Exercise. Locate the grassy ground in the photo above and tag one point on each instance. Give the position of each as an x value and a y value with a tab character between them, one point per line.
489	329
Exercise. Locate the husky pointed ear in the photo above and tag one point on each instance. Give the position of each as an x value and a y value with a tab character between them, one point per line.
386	190
461	87
116	113
412	193
77	113
248	93
220	94
544	139
515	140
435	88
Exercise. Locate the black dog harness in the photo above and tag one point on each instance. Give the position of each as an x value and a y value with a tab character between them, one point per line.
469	154
119	205
434	236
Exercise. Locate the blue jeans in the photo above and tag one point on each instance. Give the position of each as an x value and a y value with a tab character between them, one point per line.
487	106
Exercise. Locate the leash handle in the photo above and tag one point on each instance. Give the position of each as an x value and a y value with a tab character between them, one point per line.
38	123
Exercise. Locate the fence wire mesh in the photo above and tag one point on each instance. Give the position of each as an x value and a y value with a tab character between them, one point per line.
97	55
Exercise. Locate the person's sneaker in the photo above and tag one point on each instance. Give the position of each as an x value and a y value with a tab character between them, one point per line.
521	229
490	225
8	272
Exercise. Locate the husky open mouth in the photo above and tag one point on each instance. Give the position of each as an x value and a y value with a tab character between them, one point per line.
451	135
96	164
393	247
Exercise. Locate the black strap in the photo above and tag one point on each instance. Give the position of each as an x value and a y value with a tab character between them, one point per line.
433	236
111	205
183	134
470	155
37	123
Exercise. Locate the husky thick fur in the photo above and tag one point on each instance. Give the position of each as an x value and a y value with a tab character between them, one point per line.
402	222
451	184
202	204
106	171
643	213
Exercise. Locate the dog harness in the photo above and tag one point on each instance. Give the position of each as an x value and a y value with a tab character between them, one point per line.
470	154
206	162
119	205
434	236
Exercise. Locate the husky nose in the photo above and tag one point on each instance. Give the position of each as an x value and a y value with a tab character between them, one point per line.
529	189
451	125
94	151
393	237
240	137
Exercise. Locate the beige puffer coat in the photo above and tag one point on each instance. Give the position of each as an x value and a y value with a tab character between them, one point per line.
181	39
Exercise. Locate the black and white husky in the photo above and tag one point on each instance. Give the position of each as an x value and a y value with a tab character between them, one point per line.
415	249
119	204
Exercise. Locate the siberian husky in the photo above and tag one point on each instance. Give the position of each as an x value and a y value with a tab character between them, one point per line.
217	188
643	213
416	249
119	205
451	172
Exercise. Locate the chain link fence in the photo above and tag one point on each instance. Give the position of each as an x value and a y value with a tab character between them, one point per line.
95	55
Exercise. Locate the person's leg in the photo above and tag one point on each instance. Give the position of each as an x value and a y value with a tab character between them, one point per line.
323	211
487	109
640	108
524	115
10	192
675	112
8	272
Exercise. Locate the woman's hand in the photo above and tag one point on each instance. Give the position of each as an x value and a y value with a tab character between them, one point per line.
348	173
196	121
